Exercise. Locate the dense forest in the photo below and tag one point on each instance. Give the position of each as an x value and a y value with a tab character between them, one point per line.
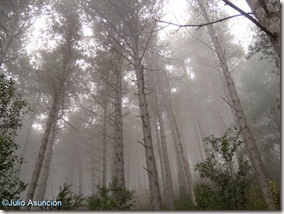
127	105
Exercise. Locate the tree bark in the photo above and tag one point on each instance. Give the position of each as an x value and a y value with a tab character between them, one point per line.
169	193
51	119
180	145
27	138
80	169
118	132
183	187
46	164
199	129
245	129
104	171
155	196
269	17
162	172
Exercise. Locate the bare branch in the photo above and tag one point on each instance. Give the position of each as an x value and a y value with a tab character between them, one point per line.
141	143
198	26
249	17
146	170
229	104
69	124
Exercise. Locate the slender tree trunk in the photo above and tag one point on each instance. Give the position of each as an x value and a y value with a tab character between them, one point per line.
180	145
104	143
183	187
245	129
27	138
169	193
169	186
162	172
199	129
155	196
46	164
4	49
93	178
80	169
118	132
51	187
51	119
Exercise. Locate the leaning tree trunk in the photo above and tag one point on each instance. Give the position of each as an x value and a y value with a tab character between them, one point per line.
93	185
162	172
118	132
245	129
180	144
104	170
169	193
269	16
199	129
51	119
183	187
80	169
27	138
155	196
5	45
46	164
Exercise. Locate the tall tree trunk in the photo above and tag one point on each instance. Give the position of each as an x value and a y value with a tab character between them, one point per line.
93	178
245	129
104	170
46	164
80	169
118	132
180	145
27	138
51	119
4	45
199	129
269	17
155	196
183	187
169	193
162	172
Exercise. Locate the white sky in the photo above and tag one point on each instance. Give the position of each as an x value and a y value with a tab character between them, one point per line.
176	11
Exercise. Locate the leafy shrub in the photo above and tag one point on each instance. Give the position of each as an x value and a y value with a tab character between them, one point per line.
275	193
206	198
183	202
11	110
113	197
70	201
255	200
229	189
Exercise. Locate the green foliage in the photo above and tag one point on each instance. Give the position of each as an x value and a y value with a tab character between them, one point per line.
206	198
275	193
113	197
11	109
229	189
255	200
183	202
70	201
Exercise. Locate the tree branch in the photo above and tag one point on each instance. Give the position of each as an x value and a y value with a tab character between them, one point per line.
141	143
249	17
229	104
147	170
203	24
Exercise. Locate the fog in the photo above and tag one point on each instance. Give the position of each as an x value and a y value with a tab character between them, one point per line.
123	90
